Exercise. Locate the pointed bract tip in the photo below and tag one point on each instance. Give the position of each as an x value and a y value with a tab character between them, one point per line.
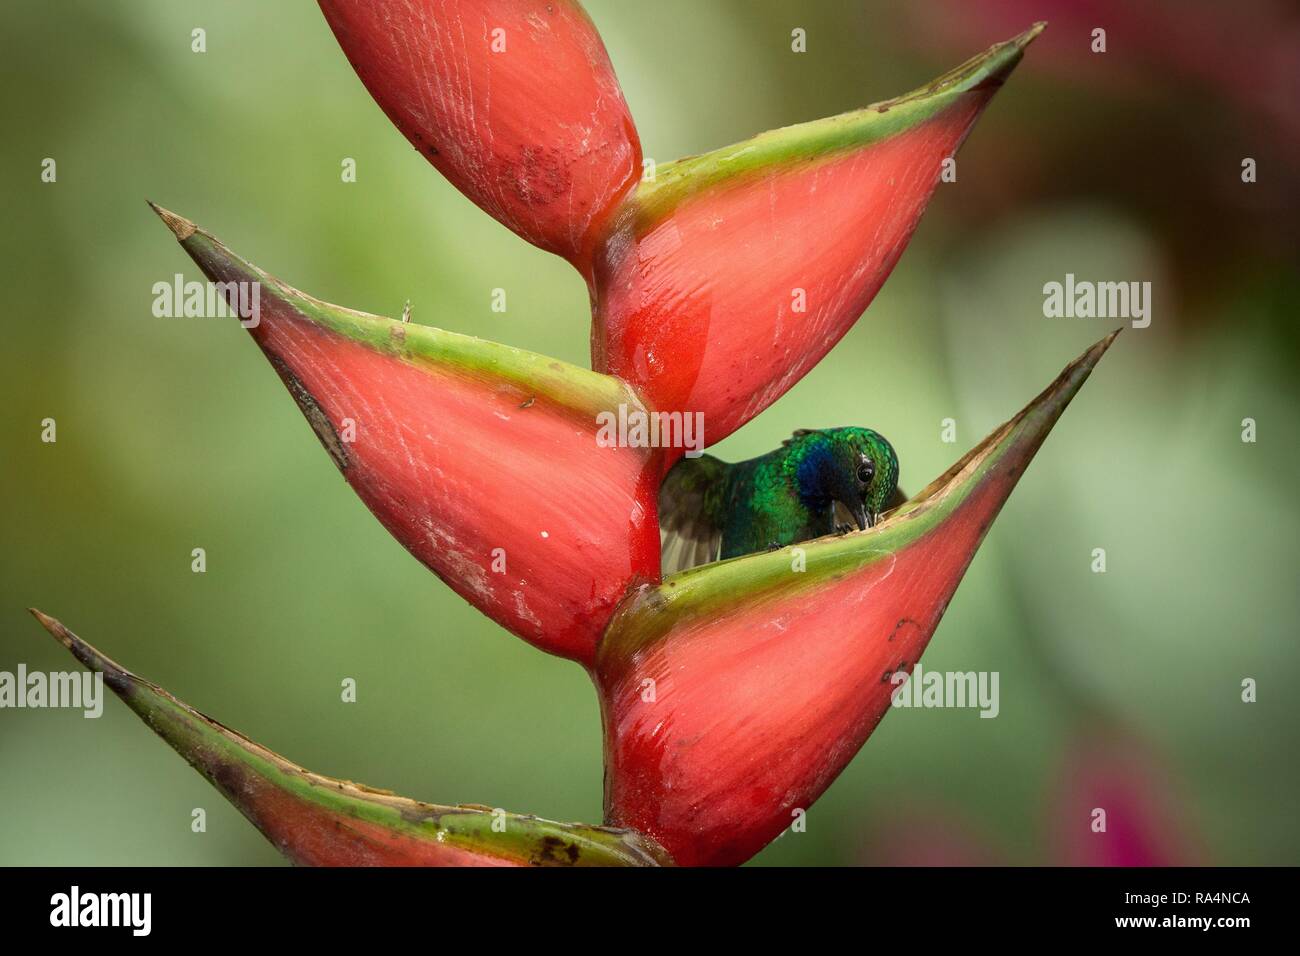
114	673
56	629
989	69
1073	375
1002	58
1099	348
1028	37
1087	359
181	227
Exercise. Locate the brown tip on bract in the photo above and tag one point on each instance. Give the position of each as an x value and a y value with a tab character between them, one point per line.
1076	373
1014	48
57	630
1093	352
1029	35
1098	350
89	656
181	227
1022	40
1001	58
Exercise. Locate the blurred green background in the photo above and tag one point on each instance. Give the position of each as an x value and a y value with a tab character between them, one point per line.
175	434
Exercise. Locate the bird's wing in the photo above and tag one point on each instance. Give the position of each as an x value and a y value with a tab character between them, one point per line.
690	506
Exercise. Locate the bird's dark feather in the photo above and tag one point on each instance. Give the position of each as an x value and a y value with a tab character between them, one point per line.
690	520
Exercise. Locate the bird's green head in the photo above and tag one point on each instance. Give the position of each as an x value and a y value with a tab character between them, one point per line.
856	467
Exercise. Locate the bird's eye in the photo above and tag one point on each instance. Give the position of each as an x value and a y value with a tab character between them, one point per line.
866	471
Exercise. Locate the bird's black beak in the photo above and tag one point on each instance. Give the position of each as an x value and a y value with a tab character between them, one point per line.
849	504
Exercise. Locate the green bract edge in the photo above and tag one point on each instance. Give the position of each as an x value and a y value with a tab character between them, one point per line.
570	386
677	180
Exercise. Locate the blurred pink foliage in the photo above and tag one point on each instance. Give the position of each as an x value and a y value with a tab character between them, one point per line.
1245	55
1144	819
1159	125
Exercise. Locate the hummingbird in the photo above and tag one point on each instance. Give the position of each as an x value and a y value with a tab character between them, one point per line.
813	485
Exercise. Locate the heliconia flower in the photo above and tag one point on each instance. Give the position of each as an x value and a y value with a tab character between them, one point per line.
728	276
483	460
319	821
733	694
514	101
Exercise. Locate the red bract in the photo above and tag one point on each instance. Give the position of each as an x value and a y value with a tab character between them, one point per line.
730	275
481	459
319	821
514	101
733	694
